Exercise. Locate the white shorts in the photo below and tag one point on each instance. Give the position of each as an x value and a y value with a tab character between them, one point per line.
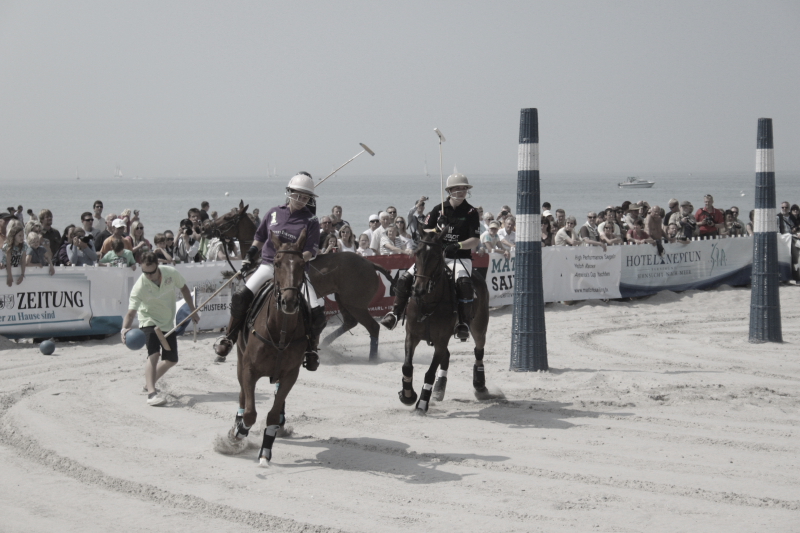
266	271
463	267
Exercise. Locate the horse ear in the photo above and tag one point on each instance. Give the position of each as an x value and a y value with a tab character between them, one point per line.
301	241
241	204
243	210
276	242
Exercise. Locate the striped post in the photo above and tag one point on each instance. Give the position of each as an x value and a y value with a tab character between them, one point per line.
528	338
765	303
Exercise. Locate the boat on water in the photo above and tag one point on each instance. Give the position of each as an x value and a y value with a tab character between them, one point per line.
635	183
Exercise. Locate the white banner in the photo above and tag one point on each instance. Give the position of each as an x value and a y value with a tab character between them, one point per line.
43	302
500	279
580	273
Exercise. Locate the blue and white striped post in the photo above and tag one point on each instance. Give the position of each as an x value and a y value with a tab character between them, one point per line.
528	338
765	302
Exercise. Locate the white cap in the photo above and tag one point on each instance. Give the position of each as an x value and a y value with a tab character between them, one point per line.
118	223
373	217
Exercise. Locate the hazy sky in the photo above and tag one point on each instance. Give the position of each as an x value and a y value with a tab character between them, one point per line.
233	88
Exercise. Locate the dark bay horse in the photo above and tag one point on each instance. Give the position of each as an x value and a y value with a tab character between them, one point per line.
431	316
349	277
275	347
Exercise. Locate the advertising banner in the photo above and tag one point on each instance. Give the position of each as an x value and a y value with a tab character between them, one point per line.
43	303
500	279
693	265
580	273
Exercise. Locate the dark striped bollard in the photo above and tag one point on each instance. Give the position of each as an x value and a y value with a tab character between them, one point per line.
528	338
765	303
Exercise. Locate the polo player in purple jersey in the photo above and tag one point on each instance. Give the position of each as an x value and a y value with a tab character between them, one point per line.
287	222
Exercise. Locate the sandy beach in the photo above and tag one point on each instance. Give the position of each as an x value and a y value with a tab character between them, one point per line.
656	415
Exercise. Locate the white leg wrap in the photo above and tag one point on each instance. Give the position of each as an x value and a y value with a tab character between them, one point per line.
273	430
427	386
441	373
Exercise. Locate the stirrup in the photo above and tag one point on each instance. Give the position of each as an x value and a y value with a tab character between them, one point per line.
311	361
223	345
389	321
462	331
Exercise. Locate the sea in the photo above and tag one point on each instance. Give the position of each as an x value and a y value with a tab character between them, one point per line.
163	202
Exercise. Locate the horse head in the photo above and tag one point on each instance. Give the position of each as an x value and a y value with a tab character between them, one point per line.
429	262
289	272
231	226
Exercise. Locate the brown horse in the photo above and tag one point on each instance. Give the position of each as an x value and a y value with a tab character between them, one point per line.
275	347
431	316
349	277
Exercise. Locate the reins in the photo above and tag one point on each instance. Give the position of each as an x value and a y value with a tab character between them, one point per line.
281	345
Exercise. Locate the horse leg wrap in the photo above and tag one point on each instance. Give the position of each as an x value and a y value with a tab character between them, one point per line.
373	348
478	378
269	438
408	385
440	385
424	397
408	371
242	431
465	295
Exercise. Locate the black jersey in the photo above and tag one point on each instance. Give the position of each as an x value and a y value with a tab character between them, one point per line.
463	223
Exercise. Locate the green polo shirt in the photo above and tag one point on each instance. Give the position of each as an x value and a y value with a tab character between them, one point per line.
155	305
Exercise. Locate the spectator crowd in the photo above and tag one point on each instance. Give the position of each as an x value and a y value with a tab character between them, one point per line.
119	240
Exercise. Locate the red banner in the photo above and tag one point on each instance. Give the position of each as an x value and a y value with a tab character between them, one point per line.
396	264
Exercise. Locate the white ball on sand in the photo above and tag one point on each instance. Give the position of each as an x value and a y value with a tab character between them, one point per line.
226	193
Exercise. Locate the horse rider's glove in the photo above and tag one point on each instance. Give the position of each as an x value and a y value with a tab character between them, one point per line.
250	257
452	248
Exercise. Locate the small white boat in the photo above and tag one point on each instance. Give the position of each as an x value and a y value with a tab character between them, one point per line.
635	183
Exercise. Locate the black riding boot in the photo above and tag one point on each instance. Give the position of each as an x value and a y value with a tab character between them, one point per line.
318	322
402	292
240	303
465	296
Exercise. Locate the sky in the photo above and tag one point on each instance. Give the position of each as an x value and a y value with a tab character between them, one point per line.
227	89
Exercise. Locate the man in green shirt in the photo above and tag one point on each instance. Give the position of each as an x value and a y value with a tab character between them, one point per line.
153	298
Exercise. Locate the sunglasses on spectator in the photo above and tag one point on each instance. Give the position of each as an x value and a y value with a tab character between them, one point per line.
88	219
374	221
148	274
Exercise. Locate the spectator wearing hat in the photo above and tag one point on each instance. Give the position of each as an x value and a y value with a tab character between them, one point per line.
710	220
491	240
374	223
118	228
673	214
377	233
687	225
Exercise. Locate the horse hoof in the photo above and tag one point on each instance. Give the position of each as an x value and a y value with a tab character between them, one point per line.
419	412
408	400
263	462
439	388
220	359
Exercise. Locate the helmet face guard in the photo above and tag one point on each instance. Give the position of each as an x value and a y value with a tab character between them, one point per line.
295	195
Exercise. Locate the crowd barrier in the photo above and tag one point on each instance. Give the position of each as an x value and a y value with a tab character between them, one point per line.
79	301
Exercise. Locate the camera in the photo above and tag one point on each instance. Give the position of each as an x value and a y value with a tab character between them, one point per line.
87	239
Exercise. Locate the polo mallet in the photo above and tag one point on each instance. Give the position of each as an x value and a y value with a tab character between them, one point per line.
441	172
197	308
162	338
365	149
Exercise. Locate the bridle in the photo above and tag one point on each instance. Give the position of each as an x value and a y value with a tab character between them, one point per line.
278	289
431	282
217	231
281	345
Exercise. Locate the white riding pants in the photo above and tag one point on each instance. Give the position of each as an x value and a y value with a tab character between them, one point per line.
462	267
266	271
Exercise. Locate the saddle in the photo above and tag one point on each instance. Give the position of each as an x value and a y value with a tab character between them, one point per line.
258	303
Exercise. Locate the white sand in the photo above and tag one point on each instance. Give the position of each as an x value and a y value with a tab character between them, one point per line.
657	415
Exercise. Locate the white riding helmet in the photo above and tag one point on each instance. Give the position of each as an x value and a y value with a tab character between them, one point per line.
457	180
303	184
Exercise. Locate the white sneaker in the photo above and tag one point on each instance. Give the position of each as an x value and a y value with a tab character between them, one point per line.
154	399
144	390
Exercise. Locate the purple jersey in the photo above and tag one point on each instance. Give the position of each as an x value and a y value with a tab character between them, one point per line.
287	226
